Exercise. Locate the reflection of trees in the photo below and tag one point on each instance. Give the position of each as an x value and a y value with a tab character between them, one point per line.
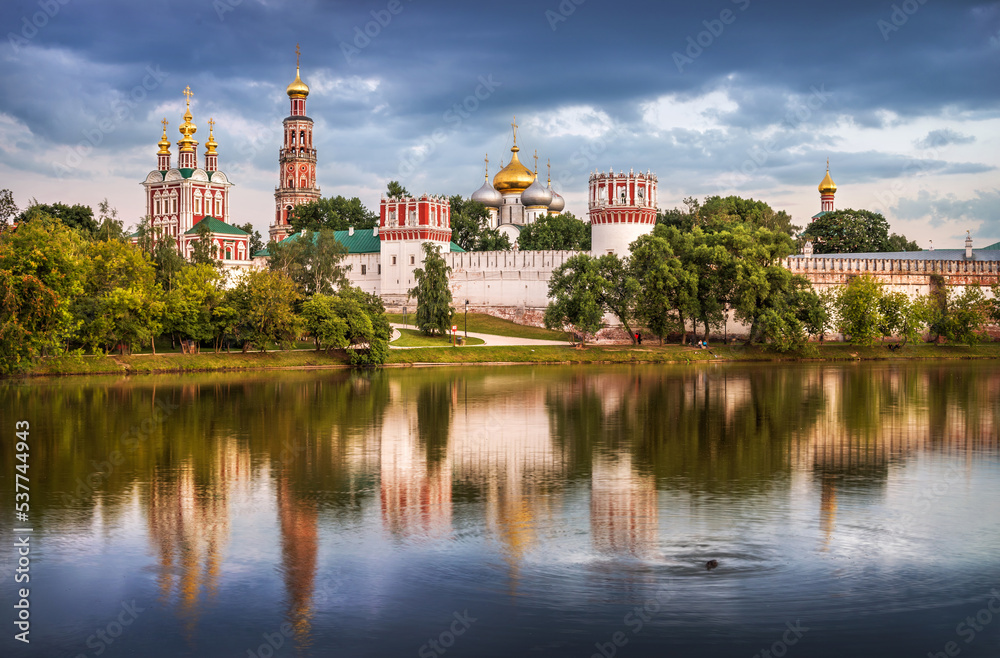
435	405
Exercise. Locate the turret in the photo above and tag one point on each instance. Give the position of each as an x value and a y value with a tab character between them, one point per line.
187	145
163	155
622	208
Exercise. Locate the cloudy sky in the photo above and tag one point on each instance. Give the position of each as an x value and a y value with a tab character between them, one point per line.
729	97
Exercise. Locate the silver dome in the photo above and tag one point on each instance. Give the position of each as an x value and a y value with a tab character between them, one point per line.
488	196
536	196
558	203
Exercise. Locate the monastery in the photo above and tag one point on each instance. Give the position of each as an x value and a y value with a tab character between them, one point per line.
621	206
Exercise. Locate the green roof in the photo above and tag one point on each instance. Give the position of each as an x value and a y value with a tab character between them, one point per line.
364	241
994	246
216	226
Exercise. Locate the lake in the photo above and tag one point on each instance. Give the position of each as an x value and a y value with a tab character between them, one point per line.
853	510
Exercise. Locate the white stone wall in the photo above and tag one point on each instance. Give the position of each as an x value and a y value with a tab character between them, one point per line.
364	272
504	278
615	238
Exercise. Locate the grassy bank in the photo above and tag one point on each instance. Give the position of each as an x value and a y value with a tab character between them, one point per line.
482	323
75	365
414	338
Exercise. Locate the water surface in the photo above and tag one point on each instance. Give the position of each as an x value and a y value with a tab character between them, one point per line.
550	511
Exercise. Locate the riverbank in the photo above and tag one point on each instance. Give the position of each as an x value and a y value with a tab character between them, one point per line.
496	355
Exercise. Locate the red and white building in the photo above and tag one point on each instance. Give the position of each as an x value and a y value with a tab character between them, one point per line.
622	208
179	199
297	160
405	224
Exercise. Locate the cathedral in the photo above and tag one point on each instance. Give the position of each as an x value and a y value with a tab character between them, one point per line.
180	198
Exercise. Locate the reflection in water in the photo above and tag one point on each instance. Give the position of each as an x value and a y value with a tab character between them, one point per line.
524	469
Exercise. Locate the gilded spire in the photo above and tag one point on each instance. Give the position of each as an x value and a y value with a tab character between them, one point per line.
297	89
211	143
187	143
487	161
827	186
549	165
164	141
536	163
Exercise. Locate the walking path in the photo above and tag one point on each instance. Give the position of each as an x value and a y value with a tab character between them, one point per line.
488	339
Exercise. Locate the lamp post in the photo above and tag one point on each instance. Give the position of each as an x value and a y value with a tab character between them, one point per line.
466	320
404	316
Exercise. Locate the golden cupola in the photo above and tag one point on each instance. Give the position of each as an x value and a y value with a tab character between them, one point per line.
211	144
187	143
164	142
297	89
827	186
515	177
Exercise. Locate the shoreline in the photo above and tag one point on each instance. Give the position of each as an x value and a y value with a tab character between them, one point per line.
173	363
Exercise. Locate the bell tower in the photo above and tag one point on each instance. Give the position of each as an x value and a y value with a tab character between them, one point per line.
296	160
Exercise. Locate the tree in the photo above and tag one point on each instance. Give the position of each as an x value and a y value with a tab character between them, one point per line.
684	219
204	250
313	260
395	191
994	307
109	226
264	300
575	288
718	211
77	216
619	291
854	231
470	227
8	209
43	266
967	314
903	316
256	240
122	304
190	305
432	292
335	213
324	324
859	310
562	232
352	321
667	289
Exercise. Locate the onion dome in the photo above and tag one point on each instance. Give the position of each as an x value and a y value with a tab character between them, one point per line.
515	177
487	194
297	89
558	203
536	195
164	143
827	186
187	143
211	144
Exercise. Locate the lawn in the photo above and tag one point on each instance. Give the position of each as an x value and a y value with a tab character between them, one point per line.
482	323
414	338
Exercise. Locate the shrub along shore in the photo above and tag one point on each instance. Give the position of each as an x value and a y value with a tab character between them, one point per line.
499	355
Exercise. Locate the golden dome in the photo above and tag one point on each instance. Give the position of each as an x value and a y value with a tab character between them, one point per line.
211	143
187	143
827	186
297	89
164	143
515	177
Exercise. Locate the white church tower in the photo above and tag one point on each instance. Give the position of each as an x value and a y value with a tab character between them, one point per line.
405	224
622	207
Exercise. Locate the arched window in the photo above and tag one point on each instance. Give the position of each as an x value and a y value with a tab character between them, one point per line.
197	203
218	207
229	253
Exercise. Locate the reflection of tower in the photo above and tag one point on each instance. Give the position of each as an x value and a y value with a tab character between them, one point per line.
189	525
298	557
415	492
827	509
622	208
623	509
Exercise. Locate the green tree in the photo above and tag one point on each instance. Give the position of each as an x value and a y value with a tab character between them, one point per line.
43	266
76	216
562	232
854	231
265	301
575	289
619	291
190	305
321	319
903	316
432	292
717	212
667	289
8	209
122	304
109	226
162	251
352	321
967	314
313	260
860	311
470	227
994	307
395	191
683	219
204	251
334	213
256	240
